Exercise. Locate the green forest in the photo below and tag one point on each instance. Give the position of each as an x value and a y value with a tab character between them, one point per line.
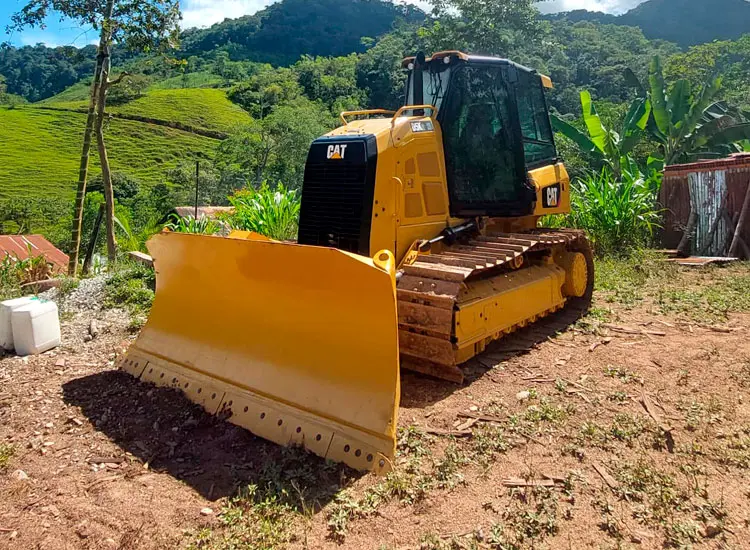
234	96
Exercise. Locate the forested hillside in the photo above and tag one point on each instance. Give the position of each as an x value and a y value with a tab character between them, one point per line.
684	22
284	31
279	34
251	122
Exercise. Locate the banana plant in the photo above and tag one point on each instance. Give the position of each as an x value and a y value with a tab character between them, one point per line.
691	124
606	146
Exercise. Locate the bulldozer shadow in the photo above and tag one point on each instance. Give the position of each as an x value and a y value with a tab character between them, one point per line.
419	391
161	427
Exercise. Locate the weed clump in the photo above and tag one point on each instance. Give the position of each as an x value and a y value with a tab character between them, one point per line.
531	518
263	514
6	453
131	288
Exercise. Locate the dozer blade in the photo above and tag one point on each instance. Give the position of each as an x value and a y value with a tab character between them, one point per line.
297	344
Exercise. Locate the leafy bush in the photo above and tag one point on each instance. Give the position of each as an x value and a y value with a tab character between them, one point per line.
124	186
618	214
16	272
132	287
189	224
274	213
131	88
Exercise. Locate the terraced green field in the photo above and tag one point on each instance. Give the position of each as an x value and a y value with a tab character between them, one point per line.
190	80
40	150
206	108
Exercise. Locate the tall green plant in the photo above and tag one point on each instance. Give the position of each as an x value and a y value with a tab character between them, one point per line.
132	239
689	123
10	278
270	212
189	224
618	213
606	146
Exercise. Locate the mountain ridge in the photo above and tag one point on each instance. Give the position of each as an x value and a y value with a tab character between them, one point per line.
306	26
684	22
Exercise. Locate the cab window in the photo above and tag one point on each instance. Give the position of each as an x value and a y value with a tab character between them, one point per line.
538	144
478	135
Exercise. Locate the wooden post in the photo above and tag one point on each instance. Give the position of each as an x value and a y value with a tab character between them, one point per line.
741	223
685	247
92	243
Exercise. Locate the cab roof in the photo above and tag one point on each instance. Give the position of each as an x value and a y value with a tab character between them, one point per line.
478	59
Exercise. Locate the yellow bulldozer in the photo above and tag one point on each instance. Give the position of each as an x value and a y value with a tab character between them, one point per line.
418	245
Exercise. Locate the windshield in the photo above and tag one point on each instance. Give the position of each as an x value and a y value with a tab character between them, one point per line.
435	85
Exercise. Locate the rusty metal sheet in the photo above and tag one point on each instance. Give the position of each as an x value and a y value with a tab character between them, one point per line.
724	180
708	191
24	246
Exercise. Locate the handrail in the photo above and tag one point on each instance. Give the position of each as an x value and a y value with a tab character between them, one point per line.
399	113
345	114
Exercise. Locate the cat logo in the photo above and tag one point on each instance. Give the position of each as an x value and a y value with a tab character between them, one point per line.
337	152
551	196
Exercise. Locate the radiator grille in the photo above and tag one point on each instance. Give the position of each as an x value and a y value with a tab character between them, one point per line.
335	212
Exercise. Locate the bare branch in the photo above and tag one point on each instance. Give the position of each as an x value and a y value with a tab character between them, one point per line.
117	80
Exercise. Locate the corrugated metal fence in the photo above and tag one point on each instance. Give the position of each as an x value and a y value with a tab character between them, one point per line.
717	189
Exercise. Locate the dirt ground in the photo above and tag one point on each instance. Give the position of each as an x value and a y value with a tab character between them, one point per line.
628	429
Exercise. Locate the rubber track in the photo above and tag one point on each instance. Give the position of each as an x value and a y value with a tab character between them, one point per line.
429	289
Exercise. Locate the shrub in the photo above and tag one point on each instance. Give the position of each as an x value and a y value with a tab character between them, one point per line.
16	272
132	287
274	213
617	214
189	224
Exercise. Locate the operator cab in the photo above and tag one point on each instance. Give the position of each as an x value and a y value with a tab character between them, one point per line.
496	127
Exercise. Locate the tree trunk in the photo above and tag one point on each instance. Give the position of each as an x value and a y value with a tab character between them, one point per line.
83	171
109	199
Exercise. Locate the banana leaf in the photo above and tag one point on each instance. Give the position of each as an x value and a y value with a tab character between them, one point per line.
678	102
733	134
579	138
658	100
634	124
698	107
634	82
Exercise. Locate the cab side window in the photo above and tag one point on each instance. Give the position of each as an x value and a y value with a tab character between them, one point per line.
538	144
478	137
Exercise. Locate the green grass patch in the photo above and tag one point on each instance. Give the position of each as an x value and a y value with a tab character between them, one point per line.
78	92
655	489
201	108
190	80
700	294
624	279
205	108
41	151
284	492
725	291
532	517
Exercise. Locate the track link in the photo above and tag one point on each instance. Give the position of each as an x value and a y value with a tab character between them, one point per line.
431	289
